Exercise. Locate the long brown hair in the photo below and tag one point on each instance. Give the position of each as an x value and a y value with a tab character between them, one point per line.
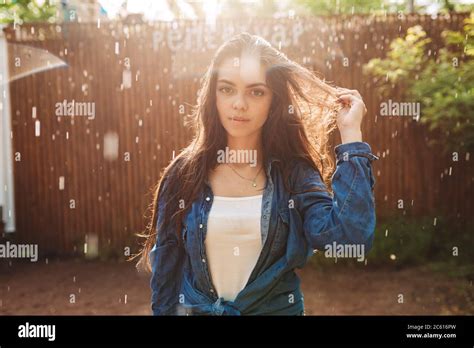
301	117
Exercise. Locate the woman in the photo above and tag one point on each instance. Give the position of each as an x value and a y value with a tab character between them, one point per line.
247	201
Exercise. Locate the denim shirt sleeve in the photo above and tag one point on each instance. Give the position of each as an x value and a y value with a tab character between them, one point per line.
348	216
166	258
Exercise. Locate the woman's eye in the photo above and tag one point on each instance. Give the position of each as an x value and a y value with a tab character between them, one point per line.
258	92
224	89
255	92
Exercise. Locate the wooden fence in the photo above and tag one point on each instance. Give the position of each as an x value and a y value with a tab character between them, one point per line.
141	76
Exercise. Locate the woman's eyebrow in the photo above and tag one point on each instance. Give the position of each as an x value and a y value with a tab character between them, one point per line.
248	86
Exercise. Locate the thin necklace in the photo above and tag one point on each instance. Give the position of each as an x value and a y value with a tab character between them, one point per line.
254	183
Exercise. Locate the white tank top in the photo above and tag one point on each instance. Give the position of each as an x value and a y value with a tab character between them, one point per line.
233	242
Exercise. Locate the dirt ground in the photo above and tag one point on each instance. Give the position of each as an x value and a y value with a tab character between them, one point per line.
109	288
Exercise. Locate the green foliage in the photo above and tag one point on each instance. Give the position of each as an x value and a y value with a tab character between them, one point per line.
406	58
445	245
347	7
402	242
419	241
22	11
330	7
446	88
443	84
456	6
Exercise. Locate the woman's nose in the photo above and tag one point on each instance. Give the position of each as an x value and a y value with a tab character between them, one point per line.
240	103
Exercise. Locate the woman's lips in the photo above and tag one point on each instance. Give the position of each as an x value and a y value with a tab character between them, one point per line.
236	119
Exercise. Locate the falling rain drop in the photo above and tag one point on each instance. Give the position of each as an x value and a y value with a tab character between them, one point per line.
111	146
37	128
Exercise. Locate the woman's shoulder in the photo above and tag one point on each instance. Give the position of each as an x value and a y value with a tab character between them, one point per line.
171	171
302	166
302	170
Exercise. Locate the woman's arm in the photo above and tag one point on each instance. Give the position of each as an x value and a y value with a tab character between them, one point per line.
167	259
347	217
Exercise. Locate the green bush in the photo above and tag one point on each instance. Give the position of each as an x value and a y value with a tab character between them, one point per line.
402	241
405	59
22	11
443	84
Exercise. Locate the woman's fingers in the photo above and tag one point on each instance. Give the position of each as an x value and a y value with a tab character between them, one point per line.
348	98
348	91
351	99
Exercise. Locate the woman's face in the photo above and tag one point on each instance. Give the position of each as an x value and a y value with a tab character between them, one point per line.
242	96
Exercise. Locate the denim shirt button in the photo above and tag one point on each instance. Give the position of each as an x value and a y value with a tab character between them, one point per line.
208	199
203	260
200	225
211	290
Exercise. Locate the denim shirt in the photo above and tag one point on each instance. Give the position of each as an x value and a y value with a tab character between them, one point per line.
292	227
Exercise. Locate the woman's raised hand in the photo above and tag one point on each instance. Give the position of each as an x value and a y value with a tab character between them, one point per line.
349	118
